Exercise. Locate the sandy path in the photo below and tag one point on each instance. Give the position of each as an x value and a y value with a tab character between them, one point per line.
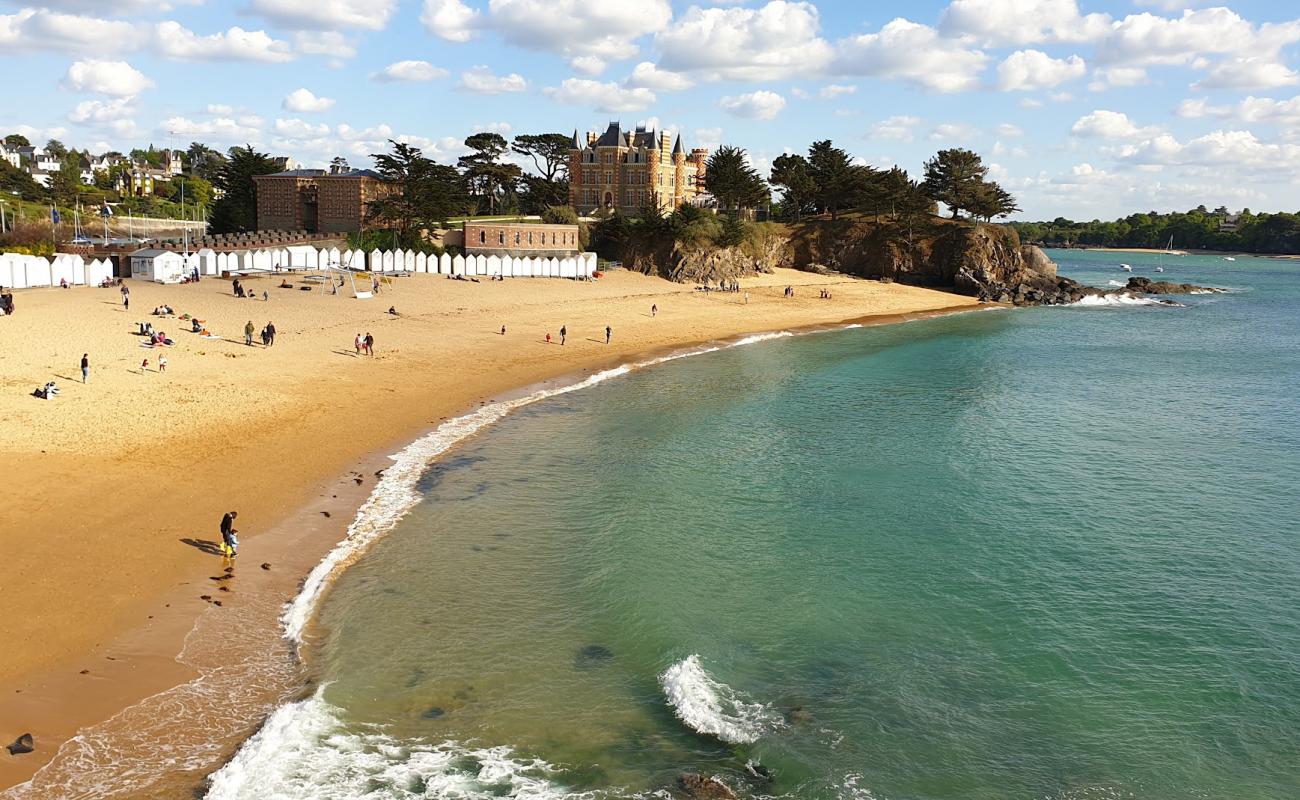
107	481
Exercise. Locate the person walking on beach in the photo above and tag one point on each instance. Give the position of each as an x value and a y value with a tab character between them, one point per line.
126	299
85	367
162	363
370	344
503	330
357	343
248	333
608	333
654	309
229	543
144	366
270	333
564	331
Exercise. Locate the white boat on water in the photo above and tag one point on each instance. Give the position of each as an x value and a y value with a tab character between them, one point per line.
1160	269
1126	267
1229	258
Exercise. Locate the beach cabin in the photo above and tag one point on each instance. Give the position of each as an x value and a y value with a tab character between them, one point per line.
159	266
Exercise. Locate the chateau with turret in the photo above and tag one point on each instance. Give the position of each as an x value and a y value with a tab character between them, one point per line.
631	170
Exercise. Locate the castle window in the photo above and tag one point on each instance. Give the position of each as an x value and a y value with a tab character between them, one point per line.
516	237
501	237
482	237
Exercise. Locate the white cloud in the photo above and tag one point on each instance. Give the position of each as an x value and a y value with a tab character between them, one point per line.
503	128
1248	73
326	15
571	28
1252	109
37	29
1019	22
101	111
481	79
648	76
220	109
1028	70
298	129
588	65
1105	124
776	41
1009	130
303	101
1108	77
912	53
833	90
608	97
708	137
753	105
450	19
953	132
902	128
114	78
1231	148
236	44
219	129
410	71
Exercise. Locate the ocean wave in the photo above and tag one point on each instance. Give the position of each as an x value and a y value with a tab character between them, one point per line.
1116	283
713	708
395	494
306	750
1113	300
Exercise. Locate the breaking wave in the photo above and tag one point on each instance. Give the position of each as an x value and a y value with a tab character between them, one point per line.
1115	300
306	750
713	708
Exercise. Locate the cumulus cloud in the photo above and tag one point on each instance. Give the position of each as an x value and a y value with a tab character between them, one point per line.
1250	72
482	80
608	97
114	78
901	128
1009	130
999	22
647	75
1028	70
101	111
953	132
236	44
753	105
833	90
324	43
912	53
410	71
1105	124
224	130
38	29
1252	109
778	40
1230	148
570	28
303	101
329	15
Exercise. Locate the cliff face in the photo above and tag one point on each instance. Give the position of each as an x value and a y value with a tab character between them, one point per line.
985	261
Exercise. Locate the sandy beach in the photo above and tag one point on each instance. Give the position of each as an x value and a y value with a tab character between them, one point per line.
116	487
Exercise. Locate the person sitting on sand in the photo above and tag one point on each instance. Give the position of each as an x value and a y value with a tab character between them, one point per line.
63	283
392	310
196	327
284	284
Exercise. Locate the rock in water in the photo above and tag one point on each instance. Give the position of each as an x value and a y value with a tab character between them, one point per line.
799	715
433	713
703	787
593	655
23	744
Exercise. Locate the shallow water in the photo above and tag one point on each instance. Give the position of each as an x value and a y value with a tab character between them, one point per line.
1043	553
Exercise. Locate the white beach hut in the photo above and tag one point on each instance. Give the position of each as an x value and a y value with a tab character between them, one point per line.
420	263
6	271
444	264
494	266
458	265
160	266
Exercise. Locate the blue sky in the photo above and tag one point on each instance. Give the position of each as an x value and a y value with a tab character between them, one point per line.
1084	109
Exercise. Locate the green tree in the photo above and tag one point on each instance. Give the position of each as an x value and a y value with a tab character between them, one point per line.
204	162
15	181
798	190
197	191
339	164
56	149
732	181
833	175
991	200
560	215
488	178
16	140
549	153
65	182
236	211
427	192
953	177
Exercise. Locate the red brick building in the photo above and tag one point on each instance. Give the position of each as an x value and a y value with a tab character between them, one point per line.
315	201
630	170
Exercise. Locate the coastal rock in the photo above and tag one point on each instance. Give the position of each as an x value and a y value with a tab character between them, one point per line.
759	773
23	744
1143	285
703	787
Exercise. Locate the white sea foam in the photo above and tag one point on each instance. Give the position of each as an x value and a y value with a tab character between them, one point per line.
395	493
1116	283
306	750
1112	300
713	708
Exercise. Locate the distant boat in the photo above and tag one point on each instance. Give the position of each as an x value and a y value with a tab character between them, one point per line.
1126	267
1229	258
1160	269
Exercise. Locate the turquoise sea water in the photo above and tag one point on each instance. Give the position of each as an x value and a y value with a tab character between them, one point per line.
1041	553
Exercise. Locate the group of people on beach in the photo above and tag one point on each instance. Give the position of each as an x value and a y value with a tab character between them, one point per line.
564	330
366	344
267	335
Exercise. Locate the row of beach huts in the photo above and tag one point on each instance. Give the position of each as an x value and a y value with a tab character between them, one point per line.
167	266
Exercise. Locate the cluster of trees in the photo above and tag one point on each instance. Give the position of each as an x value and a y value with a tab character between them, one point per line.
828	181
1197	229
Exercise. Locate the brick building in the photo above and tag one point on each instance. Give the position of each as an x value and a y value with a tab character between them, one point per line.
631	170
520	239
315	201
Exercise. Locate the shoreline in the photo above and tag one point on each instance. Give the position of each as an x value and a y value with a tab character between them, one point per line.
139	662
